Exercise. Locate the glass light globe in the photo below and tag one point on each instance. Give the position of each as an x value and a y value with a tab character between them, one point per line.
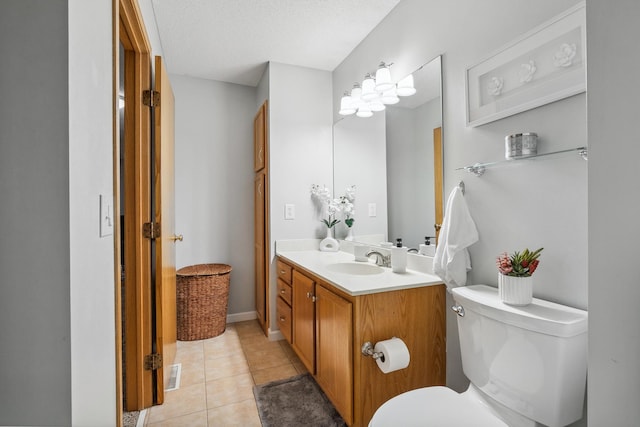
405	86
364	111
369	88
346	105
390	97
383	78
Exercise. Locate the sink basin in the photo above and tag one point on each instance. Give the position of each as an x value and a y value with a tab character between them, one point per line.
356	269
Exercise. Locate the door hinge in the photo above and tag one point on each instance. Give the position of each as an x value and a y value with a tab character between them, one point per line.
152	362
151	98
151	230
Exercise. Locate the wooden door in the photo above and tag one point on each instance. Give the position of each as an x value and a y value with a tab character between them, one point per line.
135	182
334	358
438	177
165	257
259	248
260	138
303	317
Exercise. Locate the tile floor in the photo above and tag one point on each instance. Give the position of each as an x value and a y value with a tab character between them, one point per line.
218	375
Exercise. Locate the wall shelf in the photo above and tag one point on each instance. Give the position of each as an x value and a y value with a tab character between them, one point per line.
479	168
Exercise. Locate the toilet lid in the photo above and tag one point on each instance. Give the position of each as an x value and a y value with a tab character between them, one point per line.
433	407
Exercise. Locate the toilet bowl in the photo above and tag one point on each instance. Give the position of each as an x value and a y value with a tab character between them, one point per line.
526	365
434	407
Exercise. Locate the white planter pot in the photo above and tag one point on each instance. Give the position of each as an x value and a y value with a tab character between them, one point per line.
515	290
329	244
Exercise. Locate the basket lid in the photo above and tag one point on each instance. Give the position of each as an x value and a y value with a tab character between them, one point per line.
204	270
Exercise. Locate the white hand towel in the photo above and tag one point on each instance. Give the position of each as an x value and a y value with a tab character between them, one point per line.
451	261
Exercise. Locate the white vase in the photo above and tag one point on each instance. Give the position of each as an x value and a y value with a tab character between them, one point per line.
515	290
329	244
349	237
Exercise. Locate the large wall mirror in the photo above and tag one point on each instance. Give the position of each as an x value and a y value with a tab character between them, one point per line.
395	161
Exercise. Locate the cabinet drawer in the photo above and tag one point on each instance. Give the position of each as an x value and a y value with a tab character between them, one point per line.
284	271
283	313
284	291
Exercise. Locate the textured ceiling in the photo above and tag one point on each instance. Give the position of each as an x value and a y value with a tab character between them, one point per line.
232	40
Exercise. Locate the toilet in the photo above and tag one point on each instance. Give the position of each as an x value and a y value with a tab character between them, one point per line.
526	365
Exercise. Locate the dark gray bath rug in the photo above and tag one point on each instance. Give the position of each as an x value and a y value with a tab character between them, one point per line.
294	402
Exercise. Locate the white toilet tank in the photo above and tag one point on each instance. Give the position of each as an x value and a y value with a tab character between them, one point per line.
532	359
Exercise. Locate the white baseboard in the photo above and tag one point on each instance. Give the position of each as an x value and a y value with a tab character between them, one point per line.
241	317
275	335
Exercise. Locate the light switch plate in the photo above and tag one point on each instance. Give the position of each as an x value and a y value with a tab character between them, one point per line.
107	216
289	211
373	210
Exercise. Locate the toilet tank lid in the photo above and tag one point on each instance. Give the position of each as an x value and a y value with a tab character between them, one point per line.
540	316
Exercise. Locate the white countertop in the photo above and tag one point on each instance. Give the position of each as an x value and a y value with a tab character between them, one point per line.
316	261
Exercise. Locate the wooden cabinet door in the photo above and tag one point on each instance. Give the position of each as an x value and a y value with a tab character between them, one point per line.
334	358
259	249
303	308
260	138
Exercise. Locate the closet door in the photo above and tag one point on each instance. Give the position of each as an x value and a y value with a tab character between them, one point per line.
261	216
259	249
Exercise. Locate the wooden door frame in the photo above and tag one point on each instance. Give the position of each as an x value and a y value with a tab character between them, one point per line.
128	29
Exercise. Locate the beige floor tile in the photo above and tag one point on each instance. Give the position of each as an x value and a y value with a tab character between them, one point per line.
288	350
243	414
185	400
267	359
197	419
192	373
264	376
224	366
249	329
261	346
217	349
229	390
218	375
300	368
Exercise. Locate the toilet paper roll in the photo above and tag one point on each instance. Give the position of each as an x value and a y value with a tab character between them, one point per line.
395	355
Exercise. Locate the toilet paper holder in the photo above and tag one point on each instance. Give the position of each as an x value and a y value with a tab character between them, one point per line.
367	350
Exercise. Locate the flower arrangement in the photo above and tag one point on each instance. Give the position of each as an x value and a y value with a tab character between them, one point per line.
519	264
342	204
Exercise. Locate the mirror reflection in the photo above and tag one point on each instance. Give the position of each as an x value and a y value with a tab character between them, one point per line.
394	159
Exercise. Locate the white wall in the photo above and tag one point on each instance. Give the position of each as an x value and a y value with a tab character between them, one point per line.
614	209
214	180
300	147
542	203
58	333
91	174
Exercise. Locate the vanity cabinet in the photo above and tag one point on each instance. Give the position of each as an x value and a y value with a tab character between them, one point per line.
329	327
283	302
303	316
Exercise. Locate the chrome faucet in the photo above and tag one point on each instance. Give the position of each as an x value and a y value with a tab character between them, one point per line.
381	260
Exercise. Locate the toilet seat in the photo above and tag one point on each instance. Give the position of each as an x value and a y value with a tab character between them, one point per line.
434	407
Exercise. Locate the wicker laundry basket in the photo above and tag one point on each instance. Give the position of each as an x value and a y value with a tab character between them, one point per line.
202	299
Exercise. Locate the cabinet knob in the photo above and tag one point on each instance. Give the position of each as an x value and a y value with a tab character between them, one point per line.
282	319
282	291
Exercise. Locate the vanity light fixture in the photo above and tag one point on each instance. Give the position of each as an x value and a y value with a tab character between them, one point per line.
346	105
405	86
375	93
383	77
364	111
369	88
